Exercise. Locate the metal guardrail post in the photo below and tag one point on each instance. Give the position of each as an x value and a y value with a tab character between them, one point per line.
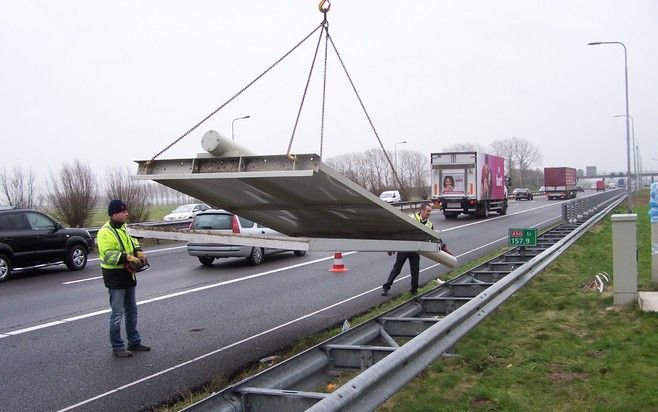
565	216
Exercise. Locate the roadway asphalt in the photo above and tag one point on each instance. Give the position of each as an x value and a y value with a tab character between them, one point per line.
202	322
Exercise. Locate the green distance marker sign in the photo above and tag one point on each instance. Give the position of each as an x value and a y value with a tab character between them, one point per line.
522	237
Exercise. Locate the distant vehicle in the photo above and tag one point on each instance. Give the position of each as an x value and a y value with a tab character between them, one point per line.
612	185
468	182
523	194
29	238
542	190
221	221
185	212
515	191
579	189
391	196
560	182
593	187
600	186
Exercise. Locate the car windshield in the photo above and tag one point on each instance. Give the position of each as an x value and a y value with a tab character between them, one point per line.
184	208
386	194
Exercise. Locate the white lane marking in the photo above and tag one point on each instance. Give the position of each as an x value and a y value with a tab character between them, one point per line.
71	282
265	332
168	296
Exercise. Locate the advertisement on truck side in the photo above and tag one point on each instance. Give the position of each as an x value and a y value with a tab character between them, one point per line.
452	181
492	177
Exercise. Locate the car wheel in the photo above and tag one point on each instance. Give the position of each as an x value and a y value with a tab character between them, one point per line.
256	256
206	260
76	258
5	268
299	252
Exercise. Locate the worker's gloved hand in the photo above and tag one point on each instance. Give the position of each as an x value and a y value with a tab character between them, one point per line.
142	257
133	264
444	248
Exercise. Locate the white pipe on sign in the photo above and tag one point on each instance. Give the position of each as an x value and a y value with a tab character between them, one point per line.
221	146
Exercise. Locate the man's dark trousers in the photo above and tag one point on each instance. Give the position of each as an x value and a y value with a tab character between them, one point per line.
414	264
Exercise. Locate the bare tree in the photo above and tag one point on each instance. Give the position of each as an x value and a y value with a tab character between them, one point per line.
73	193
414	169
19	187
119	185
526	154
372	170
505	149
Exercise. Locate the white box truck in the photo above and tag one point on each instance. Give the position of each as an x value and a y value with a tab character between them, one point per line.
468	182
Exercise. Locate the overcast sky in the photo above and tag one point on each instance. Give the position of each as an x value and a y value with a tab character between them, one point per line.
109	82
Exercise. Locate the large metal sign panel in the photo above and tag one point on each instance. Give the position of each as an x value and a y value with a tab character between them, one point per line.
298	196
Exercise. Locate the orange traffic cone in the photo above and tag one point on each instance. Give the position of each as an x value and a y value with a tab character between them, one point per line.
338	263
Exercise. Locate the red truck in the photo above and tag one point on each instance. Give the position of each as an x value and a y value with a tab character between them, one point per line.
600	186
560	182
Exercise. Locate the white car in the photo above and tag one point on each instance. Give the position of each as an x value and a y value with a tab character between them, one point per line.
221	221
185	212
391	196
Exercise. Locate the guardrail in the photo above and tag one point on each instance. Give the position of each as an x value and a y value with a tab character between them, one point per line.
434	321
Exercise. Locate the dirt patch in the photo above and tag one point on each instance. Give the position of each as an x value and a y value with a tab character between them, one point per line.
558	374
480	402
596	354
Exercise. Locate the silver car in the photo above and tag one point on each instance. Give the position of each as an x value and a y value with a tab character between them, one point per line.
222	221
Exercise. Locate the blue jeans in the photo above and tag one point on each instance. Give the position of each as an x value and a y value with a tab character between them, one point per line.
123	300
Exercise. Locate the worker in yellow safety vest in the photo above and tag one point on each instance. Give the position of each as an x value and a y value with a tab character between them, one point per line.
121	257
414	258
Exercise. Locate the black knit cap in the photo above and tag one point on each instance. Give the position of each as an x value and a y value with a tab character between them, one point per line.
116	206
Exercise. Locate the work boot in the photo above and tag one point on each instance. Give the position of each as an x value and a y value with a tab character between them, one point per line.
122	353
384	292
139	348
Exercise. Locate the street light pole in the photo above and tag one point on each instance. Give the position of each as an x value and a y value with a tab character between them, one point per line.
628	132
396	153
233	123
635	148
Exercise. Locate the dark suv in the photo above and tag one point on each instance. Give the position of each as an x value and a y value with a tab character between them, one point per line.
29	238
523	194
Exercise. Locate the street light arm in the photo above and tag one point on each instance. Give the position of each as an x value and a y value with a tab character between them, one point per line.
233	123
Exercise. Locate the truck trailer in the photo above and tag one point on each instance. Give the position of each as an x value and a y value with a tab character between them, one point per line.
468	182
560	182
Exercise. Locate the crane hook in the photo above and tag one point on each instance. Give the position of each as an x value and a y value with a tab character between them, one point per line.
322	7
